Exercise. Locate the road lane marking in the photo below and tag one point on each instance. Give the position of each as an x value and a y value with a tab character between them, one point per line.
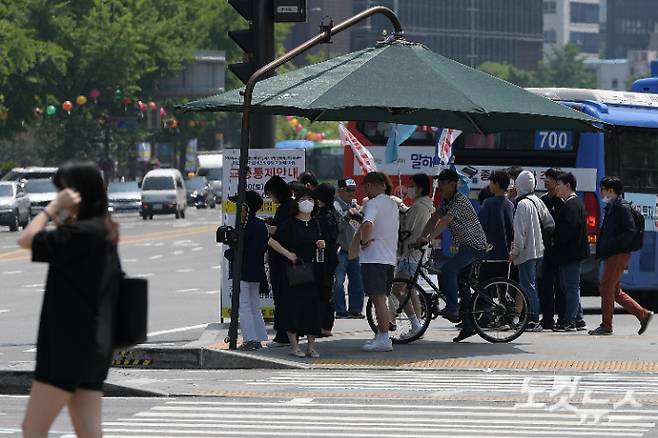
186	290
13	272
33	285
176	330
31	350
155	257
216	267
182	271
4	310
198	248
179	252
144	275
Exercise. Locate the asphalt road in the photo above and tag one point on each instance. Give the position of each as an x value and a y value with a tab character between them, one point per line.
378	403
179	258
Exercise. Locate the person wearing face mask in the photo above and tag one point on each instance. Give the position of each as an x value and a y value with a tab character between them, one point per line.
412	223
298	240
617	230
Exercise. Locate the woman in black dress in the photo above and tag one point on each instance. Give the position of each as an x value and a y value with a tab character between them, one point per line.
279	191
298	240
74	346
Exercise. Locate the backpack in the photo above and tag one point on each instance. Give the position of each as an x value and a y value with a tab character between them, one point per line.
546	231
638	239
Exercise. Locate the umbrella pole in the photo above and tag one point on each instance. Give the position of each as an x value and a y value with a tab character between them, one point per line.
261	73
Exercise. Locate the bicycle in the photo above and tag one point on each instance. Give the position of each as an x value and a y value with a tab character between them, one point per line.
498	305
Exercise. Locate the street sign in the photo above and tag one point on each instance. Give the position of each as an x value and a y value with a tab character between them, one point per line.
289	11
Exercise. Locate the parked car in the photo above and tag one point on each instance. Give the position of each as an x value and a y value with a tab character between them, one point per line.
26	173
124	196
163	192
14	205
200	193
41	192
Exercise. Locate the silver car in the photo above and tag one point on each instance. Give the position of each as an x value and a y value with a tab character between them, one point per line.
41	192
14	205
124	196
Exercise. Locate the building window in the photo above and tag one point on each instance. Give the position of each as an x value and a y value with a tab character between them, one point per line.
550	36
584	13
550	7
587	42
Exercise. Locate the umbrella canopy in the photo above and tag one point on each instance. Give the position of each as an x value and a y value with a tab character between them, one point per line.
401	82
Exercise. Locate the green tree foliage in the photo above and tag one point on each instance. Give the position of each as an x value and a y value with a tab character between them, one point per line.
564	67
510	73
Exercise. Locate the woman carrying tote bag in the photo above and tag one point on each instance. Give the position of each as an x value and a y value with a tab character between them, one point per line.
74	347
298	240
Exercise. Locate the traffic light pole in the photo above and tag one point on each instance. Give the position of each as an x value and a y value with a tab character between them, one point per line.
262	129
245	143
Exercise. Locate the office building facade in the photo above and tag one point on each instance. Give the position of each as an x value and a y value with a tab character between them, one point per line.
574	21
469	31
632	25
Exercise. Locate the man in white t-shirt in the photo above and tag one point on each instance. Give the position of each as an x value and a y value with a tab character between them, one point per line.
379	243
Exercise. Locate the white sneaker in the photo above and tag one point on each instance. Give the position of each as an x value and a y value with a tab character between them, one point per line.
411	333
275	344
379	345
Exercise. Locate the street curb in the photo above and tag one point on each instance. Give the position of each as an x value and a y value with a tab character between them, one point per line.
196	358
14	382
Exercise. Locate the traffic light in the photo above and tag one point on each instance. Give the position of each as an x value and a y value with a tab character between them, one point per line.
257	42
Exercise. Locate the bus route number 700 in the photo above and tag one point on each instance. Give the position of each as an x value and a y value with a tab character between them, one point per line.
553	141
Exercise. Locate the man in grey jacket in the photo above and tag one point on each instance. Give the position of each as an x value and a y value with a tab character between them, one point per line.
530	219
349	213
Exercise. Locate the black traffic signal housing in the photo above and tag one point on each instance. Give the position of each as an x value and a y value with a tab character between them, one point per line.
257	42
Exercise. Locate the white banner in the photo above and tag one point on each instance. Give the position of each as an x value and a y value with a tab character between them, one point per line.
416	159
263	164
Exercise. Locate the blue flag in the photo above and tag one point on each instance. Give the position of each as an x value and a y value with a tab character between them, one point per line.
397	135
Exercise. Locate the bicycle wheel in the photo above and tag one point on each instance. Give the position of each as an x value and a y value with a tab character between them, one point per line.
399	325
500	310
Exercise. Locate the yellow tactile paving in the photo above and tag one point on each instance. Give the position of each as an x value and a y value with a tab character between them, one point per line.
390	395
578	365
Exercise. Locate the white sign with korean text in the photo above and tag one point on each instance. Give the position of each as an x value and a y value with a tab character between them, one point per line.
263	164
416	159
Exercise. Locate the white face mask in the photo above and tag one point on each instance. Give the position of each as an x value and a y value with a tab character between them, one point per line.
306	206
411	192
605	199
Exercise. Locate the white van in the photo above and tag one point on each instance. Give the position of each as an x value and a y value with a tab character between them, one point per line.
163	192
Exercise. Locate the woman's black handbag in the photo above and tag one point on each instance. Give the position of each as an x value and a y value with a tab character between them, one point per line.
300	274
131	312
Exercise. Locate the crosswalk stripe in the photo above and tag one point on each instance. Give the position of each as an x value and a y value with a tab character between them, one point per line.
351	406
348	427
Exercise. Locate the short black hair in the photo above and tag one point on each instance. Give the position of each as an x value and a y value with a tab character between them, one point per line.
309	177
485	194
501	178
448	175
553	173
305	191
614	183
567	178
514	171
278	187
422	181
85	178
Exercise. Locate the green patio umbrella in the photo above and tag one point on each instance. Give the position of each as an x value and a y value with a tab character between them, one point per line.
401	82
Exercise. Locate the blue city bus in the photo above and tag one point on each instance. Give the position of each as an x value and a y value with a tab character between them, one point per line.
628	148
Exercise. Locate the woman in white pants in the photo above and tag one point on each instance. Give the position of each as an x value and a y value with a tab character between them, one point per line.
253	273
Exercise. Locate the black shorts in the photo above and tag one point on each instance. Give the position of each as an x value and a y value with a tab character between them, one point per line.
377	278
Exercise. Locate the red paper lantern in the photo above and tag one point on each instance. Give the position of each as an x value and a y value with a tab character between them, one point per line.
163	113
67	106
152	105
95	93
298	128
141	105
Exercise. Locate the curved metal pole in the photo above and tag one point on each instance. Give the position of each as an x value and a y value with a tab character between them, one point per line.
245	140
